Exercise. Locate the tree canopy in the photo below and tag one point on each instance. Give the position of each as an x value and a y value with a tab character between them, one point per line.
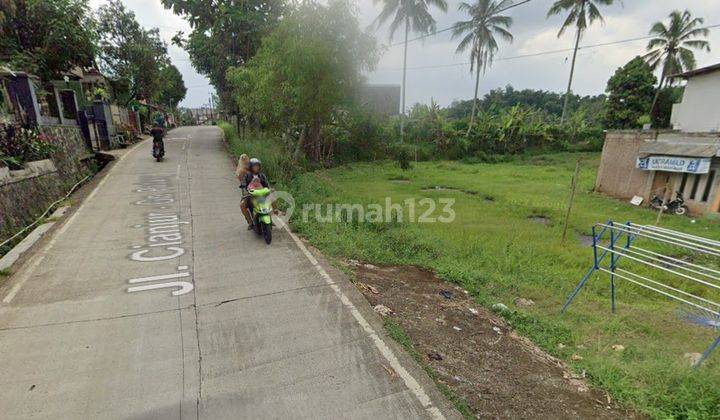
225	33
46	37
129	52
306	71
630	94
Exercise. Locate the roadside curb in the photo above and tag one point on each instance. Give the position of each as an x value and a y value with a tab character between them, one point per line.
26	244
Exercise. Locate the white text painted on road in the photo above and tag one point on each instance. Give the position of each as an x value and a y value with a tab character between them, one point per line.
164	235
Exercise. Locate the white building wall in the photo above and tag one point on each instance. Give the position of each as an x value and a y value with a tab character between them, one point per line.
699	110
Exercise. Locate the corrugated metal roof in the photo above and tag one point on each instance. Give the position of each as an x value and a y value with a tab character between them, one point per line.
689	148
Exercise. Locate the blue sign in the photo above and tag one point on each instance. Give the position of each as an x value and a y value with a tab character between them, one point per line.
674	164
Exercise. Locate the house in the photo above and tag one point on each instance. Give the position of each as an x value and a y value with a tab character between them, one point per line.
685	160
33	103
699	110
81	99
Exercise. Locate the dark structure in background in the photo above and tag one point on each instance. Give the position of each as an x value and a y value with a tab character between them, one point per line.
381	99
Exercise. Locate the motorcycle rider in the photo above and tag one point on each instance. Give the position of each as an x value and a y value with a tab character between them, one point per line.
158	132
253	179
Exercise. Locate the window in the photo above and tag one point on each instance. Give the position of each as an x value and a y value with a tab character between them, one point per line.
696	183
683	184
708	185
67	97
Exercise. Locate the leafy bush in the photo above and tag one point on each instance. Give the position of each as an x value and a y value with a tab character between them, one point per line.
359	136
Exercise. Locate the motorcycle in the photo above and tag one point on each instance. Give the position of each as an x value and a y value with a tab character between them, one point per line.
676	206
158	151
261	213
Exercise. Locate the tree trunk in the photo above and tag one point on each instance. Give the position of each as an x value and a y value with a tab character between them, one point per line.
402	109
572	73
475	98
653	108
313	142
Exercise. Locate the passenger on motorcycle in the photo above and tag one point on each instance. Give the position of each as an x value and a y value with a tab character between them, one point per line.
254	179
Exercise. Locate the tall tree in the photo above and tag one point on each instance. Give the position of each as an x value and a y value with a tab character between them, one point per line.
172	88
46	37
414	16
306	74
479	34
581	14
225	33
630	91
672	45
130	53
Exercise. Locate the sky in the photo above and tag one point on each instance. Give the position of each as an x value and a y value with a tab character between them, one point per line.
436	71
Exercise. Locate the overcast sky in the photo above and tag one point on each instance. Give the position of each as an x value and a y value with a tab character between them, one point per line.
448	81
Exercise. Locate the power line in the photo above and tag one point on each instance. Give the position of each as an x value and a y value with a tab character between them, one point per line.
452	27
541	53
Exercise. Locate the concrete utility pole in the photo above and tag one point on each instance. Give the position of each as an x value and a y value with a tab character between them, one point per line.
211	108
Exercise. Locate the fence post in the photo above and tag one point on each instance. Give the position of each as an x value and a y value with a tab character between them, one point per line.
613	258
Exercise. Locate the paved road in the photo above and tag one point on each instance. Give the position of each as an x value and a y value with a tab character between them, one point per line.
153	301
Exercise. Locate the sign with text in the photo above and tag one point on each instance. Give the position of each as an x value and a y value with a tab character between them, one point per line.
674	164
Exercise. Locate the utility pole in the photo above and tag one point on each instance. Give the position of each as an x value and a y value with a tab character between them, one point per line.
211	108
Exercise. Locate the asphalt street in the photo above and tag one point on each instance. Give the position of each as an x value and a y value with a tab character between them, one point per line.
152	300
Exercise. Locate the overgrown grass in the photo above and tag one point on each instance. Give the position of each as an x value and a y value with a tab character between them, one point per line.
396	332
497	253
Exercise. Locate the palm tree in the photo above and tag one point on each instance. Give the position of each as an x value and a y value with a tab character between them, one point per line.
415	16
672	47
582	14
479	35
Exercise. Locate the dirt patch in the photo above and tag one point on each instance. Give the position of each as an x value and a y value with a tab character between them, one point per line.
543	220
496	372
585	240
486	197
439	188
400	181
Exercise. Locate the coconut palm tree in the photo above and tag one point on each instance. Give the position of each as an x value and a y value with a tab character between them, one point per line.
414	16
672	47
479	34
581	14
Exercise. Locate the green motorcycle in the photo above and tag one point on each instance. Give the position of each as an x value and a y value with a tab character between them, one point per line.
261	212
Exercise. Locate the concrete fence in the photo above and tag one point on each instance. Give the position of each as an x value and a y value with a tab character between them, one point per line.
26	193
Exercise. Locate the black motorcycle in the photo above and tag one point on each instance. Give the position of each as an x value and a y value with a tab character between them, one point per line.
676	206
158	151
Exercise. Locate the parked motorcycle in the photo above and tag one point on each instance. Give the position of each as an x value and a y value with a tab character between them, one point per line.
158	152
261	212
676	206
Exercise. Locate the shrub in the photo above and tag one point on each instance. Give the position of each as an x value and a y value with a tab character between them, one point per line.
18	145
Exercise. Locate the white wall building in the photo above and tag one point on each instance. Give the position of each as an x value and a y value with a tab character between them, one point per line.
699	111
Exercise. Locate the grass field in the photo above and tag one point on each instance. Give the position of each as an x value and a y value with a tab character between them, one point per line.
497	252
